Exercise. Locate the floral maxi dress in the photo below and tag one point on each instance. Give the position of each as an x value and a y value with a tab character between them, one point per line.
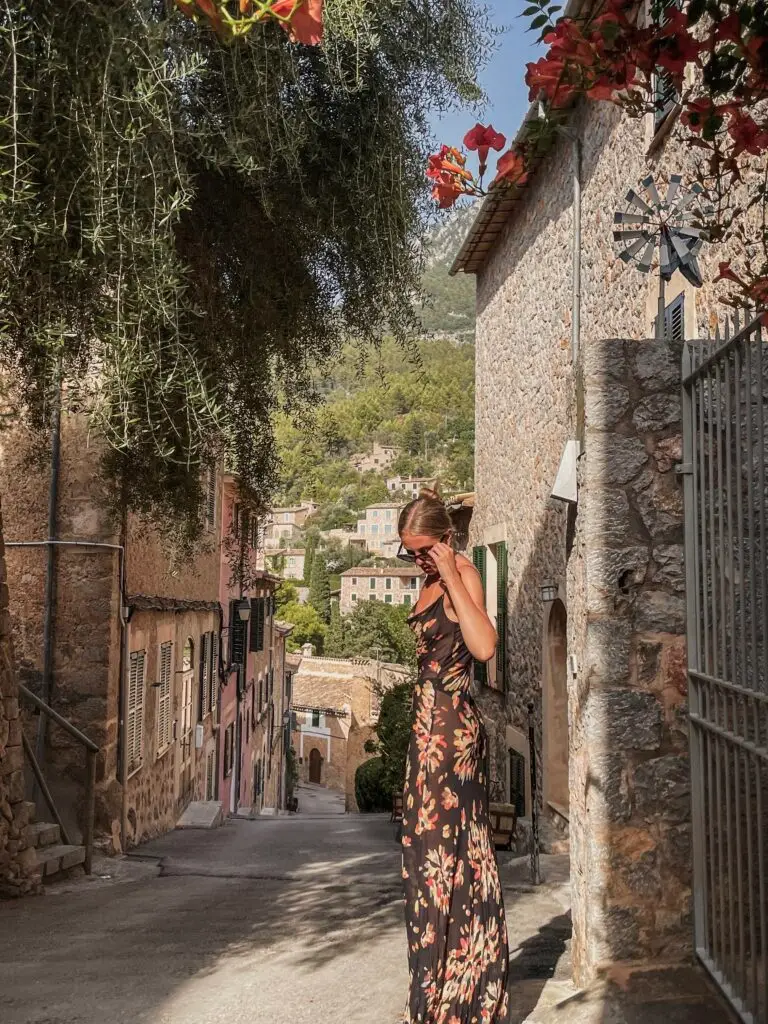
457	936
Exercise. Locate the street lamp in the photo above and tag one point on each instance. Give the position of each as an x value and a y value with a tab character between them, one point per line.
548	592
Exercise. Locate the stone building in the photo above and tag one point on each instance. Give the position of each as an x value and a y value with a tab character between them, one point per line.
117	648
578	528
253	652
378	526
288	563
335	707
392	585
410	485
380	458
18	863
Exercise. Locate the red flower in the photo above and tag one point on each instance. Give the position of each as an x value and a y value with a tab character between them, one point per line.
725	273
511	168
747	134
446	191
729	28
483	139
301	19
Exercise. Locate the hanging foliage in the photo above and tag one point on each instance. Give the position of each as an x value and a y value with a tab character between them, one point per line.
188	227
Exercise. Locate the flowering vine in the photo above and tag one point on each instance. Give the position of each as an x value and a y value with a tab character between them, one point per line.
301	19
713	56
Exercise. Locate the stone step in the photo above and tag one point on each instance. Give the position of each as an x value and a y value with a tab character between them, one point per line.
202	814
53	859
43	833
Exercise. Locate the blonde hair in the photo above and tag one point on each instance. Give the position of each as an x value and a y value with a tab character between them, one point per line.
425	515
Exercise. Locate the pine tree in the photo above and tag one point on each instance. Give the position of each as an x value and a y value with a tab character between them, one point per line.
309	558
334	644
320	588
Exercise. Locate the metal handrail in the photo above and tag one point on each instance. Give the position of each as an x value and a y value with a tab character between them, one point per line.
91	750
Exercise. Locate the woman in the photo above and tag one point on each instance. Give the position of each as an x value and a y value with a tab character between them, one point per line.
457	937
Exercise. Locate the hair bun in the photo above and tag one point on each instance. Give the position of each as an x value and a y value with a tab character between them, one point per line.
430	494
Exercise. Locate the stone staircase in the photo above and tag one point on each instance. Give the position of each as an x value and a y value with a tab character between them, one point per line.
56	860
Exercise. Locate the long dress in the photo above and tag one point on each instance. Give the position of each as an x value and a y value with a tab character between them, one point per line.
457	938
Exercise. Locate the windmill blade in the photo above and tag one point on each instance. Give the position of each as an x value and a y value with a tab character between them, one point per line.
681	247
632	250
691	232
634	200
646	260
692	272
627	236
684	202
673	188
631	218
650	187
668	261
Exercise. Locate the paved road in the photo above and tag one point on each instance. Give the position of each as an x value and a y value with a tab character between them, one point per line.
279	920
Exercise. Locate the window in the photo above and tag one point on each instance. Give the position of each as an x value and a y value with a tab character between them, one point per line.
210	777
258	617
389	583
315	719
374	530
372	583
204	704
665	95
354	597
407	599
491	562
291	561
387	599
229	753
210	499
371	597
261	693
214	673
135	724
354	581
413	583
517	782
374	513
388	528
237	636
164	698
674	320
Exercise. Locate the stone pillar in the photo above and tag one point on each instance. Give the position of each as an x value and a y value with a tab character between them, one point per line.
630	792
18	862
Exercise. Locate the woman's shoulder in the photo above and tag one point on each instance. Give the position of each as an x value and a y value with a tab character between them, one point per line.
463	564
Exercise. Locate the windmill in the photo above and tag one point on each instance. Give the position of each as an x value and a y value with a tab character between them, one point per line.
671	225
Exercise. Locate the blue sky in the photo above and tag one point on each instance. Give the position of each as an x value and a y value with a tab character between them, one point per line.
502	79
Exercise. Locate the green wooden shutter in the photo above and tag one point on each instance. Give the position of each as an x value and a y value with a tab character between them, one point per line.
501	613
478	559
237	636
258	613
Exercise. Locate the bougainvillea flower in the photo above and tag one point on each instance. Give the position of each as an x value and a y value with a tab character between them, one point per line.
729	28
484	138
511	168
301	19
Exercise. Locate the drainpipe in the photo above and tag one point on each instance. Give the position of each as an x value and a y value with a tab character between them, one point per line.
50	577
576	284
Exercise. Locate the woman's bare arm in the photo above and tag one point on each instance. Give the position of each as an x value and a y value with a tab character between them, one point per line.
465	589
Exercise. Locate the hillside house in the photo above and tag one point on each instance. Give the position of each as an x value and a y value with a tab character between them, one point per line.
391	585
577	529
410	485
377	460
335	706
379	525
287	563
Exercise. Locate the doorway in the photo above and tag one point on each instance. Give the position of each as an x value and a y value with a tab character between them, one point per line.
315	766
555	710
184	782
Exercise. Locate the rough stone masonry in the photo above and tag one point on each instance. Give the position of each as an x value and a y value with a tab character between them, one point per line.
18	863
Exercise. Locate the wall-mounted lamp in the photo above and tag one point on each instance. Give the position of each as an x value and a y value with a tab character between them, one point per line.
244	610
548	592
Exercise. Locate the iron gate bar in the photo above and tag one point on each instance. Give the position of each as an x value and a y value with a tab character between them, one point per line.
724	399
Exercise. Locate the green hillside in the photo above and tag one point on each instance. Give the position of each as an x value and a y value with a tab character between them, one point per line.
422	403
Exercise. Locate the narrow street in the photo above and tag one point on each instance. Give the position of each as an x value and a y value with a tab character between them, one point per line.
287	921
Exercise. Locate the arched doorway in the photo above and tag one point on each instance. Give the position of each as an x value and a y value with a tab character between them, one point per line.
555	709
315	765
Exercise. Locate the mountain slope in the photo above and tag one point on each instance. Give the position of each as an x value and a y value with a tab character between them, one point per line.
450	306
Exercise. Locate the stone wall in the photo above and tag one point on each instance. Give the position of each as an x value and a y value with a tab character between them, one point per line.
630	791
18	862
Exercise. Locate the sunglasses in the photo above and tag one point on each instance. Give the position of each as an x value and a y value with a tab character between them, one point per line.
413	556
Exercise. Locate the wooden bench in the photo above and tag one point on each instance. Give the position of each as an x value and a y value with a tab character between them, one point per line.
503	824
397	807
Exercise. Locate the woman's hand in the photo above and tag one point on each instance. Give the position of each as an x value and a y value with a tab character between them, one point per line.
444	559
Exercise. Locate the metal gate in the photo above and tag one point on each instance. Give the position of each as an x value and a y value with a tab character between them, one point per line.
725	414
